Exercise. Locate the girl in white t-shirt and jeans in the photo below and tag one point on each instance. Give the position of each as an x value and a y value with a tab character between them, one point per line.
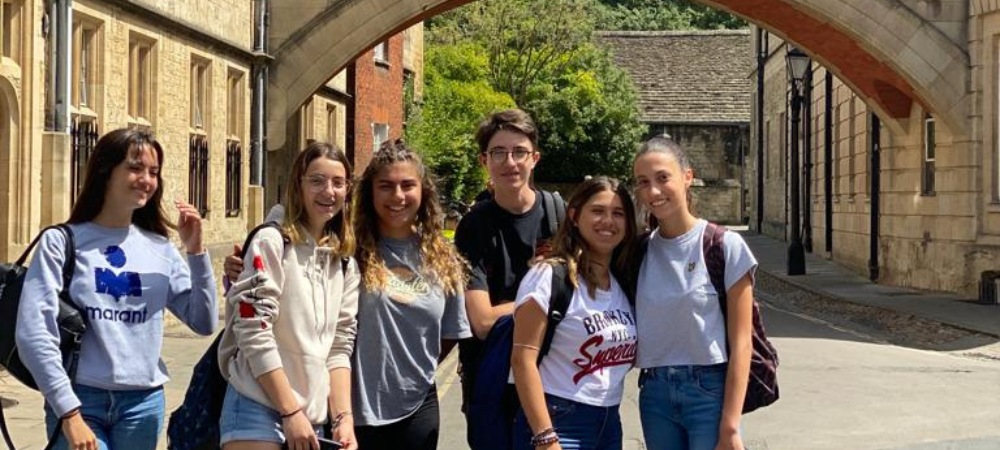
691	393
571	400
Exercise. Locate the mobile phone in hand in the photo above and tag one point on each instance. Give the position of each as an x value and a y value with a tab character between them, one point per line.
328	444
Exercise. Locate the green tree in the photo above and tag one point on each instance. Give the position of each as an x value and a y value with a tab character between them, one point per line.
524	39
541	53
588	119
457	97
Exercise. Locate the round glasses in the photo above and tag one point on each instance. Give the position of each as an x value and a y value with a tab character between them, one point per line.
319	184
500	156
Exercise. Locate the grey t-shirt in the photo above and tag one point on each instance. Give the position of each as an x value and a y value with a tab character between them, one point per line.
399	337
677	308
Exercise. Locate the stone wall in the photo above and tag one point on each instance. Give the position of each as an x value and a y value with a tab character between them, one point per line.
719	203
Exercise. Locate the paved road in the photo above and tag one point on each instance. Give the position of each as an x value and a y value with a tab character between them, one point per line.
840	390
843	390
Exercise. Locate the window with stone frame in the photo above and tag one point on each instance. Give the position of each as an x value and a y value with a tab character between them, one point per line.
852	134
234	142
767	152
382	52
86	63
331	123
84	134
200	86
141	81
837	140
198	161
10	29
380	133
929	137
84	129
307	124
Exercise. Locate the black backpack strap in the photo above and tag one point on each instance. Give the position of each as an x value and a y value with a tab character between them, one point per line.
253	233
562	293
69	262
560	207
549	212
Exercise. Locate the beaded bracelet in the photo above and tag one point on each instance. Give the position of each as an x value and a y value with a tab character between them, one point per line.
545	437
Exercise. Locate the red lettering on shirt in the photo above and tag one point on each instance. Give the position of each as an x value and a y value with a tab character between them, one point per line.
618	355
258	263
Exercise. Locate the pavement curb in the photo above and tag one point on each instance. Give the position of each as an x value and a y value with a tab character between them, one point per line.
801	285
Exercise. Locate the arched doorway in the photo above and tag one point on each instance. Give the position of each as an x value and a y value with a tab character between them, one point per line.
9	115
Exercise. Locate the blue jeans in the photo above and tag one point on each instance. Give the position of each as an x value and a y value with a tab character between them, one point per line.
579	426
121	420
681	406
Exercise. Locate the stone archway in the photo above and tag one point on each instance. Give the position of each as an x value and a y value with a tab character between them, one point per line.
887	52
9	155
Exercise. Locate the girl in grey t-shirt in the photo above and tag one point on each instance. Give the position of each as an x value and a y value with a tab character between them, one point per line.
691	392
411	309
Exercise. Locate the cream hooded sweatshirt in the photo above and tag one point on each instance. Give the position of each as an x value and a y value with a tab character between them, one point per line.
294	307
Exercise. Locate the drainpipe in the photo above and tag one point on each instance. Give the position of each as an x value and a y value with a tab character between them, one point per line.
258	130
61	23
876	177
762	47
807	164
828	161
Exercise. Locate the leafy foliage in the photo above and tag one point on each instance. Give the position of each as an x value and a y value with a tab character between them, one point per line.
457	97
648	15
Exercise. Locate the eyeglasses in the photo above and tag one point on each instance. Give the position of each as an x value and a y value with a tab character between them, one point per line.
518	155
318	184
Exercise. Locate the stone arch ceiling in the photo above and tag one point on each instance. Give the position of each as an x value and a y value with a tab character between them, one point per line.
887	52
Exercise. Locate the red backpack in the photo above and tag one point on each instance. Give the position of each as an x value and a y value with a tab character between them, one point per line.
762	388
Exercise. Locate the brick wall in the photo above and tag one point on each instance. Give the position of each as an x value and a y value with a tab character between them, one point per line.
378	99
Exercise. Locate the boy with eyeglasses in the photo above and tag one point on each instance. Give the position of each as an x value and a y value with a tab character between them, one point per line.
501	236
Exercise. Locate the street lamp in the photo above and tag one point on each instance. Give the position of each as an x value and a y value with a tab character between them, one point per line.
798	62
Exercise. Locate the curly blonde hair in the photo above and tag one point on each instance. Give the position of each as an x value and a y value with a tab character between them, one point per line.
441	261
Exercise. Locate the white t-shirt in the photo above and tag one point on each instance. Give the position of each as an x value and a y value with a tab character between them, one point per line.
593	347
679	318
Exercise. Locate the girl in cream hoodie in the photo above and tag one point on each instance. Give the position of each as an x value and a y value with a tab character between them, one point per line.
291	317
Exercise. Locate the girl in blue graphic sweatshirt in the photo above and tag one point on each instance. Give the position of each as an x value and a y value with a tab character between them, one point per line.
127	274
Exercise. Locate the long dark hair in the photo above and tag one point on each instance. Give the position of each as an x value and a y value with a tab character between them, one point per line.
571	248
338	231
111	150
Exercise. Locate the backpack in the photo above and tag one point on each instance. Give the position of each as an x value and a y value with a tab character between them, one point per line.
554	209
71	320
194	425
762	387
493	401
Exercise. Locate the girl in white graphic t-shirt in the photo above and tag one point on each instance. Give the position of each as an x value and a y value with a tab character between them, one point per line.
691	392
570	400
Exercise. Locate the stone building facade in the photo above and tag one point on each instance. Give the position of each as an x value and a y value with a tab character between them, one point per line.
178	69
906	199
693	86
183	70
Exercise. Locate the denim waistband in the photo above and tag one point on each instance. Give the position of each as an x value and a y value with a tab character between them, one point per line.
682	372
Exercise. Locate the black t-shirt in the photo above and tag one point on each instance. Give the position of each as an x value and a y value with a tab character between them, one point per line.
499	246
